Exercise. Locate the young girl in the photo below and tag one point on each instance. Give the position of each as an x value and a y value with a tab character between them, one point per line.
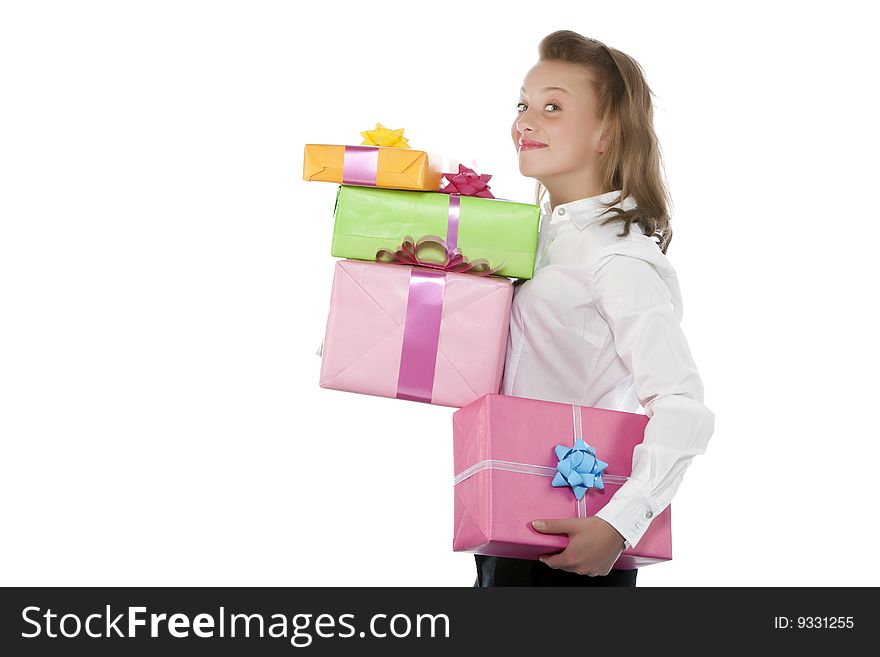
599	323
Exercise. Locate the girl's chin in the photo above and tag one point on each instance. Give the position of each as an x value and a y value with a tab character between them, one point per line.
531	171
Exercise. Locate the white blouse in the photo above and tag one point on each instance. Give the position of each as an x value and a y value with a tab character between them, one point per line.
599	325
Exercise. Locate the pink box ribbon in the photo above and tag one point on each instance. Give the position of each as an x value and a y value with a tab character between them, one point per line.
452	221
359	165
421	335
542	470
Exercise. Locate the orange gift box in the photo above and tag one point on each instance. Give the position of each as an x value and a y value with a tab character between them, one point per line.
373	166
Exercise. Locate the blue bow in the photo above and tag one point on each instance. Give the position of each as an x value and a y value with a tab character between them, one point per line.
578	467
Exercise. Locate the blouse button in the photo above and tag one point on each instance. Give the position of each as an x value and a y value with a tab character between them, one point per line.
649	514
561	211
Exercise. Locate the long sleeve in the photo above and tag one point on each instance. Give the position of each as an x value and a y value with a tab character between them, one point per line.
642	306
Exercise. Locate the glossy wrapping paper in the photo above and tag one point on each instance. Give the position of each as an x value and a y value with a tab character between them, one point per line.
381	341
377	166
494	508
503	232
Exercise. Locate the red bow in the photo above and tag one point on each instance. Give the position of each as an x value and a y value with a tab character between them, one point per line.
408	254
467	182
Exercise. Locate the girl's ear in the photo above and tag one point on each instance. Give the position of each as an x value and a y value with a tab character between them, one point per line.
602	138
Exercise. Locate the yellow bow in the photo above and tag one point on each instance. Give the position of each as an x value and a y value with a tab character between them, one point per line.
382	136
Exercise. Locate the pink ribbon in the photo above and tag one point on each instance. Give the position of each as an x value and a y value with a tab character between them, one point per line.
359	165
421	335
452	220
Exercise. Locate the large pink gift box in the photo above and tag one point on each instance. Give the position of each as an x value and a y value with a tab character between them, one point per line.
506	458
415	333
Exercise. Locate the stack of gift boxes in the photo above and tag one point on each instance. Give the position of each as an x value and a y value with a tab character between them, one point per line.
419	310
420	301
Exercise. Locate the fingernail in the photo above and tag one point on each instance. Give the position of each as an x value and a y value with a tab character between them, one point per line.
537	524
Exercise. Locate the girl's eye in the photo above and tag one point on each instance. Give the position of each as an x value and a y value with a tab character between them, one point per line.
547	105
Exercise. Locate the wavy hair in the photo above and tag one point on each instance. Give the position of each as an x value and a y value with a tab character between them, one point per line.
633	161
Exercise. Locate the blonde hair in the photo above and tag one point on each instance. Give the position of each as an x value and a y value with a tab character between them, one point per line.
632	163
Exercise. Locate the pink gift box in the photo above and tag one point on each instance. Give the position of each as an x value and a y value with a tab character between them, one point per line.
505	463
415	333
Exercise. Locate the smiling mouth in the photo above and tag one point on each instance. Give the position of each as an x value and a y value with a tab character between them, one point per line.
527	145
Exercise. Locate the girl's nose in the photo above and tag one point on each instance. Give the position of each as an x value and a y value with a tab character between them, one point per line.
524	128
524	123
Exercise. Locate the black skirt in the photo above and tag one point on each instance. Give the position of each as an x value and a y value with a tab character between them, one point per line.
504	571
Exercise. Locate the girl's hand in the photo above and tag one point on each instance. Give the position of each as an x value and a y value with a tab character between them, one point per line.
593	545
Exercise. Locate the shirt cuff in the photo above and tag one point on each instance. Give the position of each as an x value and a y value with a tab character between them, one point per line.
630	511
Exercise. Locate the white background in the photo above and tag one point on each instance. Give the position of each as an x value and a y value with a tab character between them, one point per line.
165	276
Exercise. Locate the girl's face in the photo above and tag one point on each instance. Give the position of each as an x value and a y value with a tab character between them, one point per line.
557	107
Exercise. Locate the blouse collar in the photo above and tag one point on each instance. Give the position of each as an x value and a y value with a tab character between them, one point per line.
587	210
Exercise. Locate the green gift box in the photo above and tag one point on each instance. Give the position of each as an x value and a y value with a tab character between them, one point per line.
503	232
